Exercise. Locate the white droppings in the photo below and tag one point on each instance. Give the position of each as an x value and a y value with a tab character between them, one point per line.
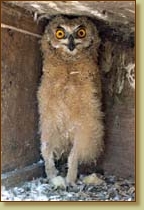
40	161
130	68
120	86
87	9
35	6
98	14
132	11
41	190
54	6
123	15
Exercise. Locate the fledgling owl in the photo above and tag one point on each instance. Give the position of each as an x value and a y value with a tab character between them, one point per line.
69	95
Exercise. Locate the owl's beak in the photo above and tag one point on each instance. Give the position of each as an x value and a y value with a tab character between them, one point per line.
71	44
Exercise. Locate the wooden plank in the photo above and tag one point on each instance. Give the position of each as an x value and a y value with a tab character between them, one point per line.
20	19
20	73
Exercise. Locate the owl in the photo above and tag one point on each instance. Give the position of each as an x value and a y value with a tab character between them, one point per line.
69	95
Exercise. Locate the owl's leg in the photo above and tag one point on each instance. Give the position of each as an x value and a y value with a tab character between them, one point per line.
47	154
72	167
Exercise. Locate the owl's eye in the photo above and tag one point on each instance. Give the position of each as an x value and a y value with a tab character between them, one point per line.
60	34
81	33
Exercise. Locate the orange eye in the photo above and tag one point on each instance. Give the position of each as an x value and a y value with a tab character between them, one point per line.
81	33
60	34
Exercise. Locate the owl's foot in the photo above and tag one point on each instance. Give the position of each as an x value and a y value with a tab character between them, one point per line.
51	173
62	183
58	182
70	182
92	179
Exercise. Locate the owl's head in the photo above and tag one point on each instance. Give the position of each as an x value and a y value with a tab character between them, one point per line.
70	36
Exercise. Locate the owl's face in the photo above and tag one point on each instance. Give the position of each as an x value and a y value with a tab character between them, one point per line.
71	36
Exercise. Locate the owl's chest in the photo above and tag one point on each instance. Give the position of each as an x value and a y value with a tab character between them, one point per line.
68	86
66	91
69	98
66	97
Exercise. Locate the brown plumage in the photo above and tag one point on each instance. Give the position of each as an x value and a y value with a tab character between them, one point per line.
69	96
